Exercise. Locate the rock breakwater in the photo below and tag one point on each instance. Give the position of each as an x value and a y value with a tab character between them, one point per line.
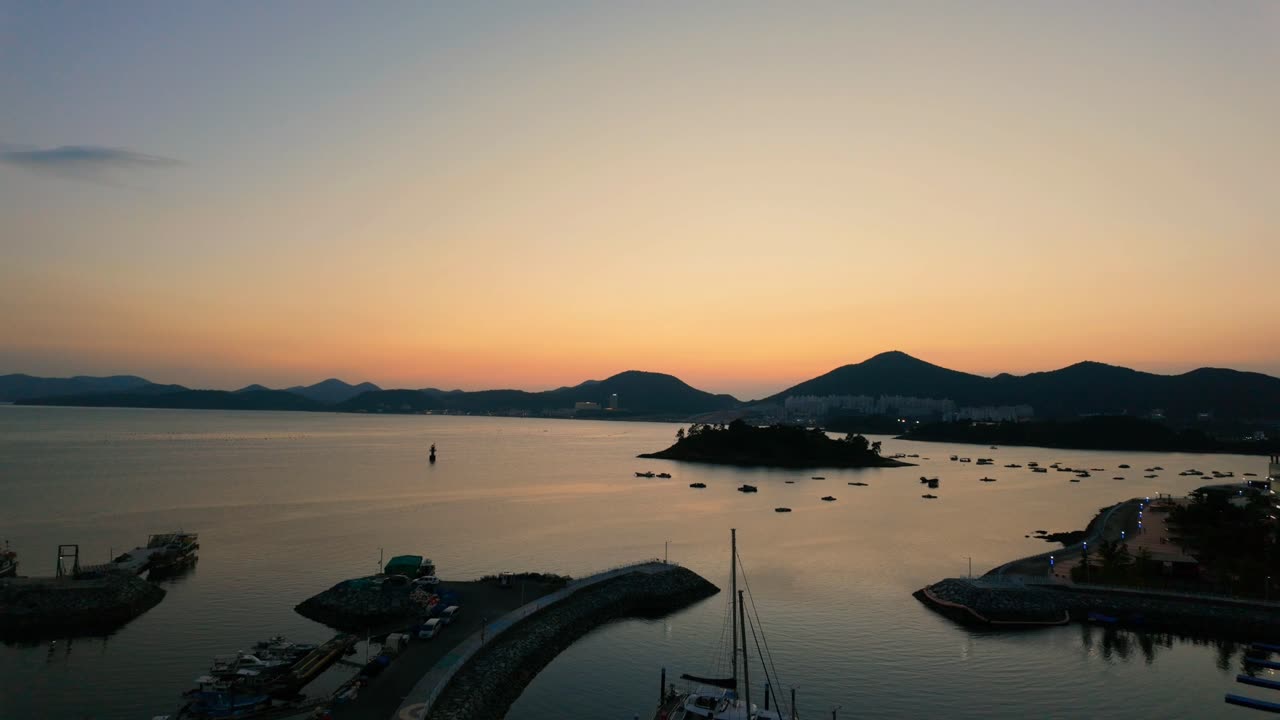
490	682
38	607
978	603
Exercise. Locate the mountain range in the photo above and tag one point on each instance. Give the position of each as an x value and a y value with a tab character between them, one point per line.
1082	389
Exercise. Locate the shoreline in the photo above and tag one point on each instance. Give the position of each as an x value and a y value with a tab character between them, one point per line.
1030	592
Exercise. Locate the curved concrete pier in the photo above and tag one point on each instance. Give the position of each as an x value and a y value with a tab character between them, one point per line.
485	674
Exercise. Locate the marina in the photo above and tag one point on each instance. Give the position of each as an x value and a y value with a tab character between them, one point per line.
279	546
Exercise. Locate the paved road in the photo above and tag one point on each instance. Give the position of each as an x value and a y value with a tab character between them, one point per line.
1038	564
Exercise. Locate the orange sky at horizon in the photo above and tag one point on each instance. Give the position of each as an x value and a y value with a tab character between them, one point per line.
519	197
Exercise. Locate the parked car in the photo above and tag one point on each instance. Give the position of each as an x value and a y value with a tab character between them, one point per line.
449	613
430	629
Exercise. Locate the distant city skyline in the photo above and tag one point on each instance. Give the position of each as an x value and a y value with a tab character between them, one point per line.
529	195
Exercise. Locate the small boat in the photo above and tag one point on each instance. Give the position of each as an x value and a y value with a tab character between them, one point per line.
828	498
817	477
782	509
748	488
993	447
1075	479
432	457
697	485
933	482
645	474
1251	474
1039	469
1101	469
1118	477
1083	473
664	475
1124	467
791	482
965	460
1013	465
954	457
924	479
913	455
858	484
929	497
1033	463
1157	467
8	561
986	479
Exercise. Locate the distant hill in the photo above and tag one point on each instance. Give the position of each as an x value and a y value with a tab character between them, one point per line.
894	373
252	388
18	386
332	391
1081	389
187	399
639	393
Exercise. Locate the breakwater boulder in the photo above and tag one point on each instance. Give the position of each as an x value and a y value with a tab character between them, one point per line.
359	604
486	686
41	607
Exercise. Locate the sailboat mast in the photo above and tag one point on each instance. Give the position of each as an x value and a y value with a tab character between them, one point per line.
746	676
733	593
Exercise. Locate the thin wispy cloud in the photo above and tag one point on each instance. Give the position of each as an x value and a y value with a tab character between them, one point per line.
83	162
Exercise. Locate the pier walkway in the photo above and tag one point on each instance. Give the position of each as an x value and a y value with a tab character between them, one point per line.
419	701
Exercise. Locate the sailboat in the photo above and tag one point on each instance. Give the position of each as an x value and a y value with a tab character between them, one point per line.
719	698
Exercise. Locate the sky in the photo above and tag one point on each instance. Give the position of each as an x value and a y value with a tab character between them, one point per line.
527	195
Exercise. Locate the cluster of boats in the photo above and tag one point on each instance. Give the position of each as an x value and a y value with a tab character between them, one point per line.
650	473
256	681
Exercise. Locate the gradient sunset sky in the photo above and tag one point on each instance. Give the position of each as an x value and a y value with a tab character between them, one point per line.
532	194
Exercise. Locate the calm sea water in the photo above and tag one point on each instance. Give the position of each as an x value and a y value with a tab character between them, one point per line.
287	504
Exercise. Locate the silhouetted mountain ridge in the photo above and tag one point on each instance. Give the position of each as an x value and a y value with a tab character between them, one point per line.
332	391
639	393
19	386
1079	389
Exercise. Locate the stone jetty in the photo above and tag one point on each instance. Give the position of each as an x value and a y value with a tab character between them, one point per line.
493	677
984	602
361	603
37	607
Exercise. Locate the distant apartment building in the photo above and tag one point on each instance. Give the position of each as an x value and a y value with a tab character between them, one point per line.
816	406
613	401
586	406
992	413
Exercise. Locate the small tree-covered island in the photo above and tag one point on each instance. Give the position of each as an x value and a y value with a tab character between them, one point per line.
776	446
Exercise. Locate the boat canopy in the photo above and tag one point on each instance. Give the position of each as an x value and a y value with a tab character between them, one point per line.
726	683
404	565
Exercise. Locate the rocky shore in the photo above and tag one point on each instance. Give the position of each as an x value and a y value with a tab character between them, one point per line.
38	607
975	602
490	682
360	604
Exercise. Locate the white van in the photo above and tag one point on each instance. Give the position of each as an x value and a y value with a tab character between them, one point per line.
448	614
430	629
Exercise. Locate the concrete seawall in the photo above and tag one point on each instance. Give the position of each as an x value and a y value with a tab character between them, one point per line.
984	603
486	682
36	607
